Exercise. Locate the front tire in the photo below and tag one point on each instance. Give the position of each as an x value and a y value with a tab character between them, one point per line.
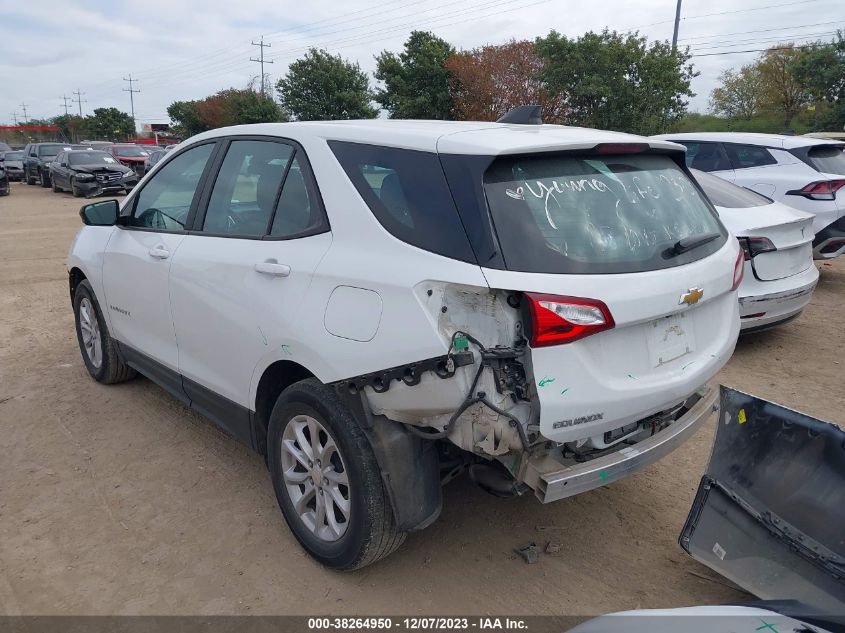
56	188
29	179
99	351
73	189
327	480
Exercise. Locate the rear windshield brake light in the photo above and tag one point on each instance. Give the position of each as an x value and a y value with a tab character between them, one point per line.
621	148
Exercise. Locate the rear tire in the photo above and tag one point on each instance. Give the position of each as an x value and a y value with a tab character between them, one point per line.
314	444
98	348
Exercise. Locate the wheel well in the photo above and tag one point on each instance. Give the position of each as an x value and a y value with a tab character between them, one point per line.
75	277
275	379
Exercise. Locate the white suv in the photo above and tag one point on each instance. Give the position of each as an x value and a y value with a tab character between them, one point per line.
378	305
799	171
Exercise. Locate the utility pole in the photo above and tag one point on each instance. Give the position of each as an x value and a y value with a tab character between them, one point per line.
79	100
25	119
131	92
677	25
261	60
65	99
15	117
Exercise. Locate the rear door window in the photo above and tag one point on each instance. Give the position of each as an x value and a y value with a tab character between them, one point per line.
597	214
407	192
706	156
727	195
745	156
829	159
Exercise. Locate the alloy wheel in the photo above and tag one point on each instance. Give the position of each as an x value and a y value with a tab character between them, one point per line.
92	341
316	478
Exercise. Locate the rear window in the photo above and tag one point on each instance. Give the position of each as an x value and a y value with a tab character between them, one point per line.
829	159
728	195
596	214
407	192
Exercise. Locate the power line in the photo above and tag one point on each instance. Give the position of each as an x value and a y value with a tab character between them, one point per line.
79	100
778	40
754	50
707	15
261	48
131	92
783	28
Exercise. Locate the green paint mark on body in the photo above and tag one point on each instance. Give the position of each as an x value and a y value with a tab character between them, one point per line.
545	381
632	376
765	626
564	391
603	475
286	350
687	365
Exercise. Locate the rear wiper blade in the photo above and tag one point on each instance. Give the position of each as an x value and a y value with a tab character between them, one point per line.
690	242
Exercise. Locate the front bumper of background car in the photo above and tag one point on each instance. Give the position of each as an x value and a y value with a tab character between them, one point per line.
91	188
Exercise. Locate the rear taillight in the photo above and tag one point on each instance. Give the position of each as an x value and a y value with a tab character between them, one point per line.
739	269
621	148
820	190
753	246
556	320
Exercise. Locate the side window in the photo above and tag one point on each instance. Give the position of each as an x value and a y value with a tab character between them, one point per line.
298	210
407	192
246	189
166	198
744	156
706	156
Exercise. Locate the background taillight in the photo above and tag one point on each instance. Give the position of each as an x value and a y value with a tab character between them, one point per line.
556	320
753	246
739	269
820	190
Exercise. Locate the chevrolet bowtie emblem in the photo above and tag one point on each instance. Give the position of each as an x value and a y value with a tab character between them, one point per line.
691	296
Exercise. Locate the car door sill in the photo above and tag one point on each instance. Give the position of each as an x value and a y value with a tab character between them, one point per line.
230	416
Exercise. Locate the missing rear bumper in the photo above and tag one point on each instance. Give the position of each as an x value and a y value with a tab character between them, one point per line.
553	480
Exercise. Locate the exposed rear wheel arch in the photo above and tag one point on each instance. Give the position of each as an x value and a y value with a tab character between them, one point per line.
275	379
75	277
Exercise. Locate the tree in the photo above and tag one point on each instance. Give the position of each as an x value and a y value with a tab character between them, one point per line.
416	82
489	81
821	70
186	119
320	86
617	81
227	107
740	95
782	90
109	124
71	126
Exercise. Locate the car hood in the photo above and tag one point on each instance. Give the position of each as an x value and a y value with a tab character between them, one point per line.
770	508
14	163
90	169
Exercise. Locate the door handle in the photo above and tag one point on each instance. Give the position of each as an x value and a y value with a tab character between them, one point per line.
272	267
159	252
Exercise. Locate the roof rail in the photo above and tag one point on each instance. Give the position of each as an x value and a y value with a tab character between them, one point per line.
523	115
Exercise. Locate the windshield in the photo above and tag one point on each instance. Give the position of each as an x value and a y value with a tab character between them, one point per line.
13	156
52	149
727	195
596	214
130	151
90	158
829	159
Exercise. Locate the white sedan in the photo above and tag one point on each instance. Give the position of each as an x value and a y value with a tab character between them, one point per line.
777	240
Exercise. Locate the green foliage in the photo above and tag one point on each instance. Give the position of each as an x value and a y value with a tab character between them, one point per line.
617	81
821	70
108	124
71	126
321	86
740	95
768	123
416	81
227	107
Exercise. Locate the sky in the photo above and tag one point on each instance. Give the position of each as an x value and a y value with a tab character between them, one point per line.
179	50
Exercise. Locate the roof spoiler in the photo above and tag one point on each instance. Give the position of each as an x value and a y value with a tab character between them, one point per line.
523	115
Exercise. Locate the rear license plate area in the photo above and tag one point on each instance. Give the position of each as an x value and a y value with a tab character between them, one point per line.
670	338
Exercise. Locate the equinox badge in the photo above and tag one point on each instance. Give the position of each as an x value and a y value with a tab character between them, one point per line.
691	296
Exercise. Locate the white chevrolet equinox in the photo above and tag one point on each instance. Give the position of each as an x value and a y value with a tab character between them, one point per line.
378	306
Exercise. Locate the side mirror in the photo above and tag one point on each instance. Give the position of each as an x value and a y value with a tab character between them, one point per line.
100	213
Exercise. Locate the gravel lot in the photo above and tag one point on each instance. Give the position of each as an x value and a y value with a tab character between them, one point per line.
120	500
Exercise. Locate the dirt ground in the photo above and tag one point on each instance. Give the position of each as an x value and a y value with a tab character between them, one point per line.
118	500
